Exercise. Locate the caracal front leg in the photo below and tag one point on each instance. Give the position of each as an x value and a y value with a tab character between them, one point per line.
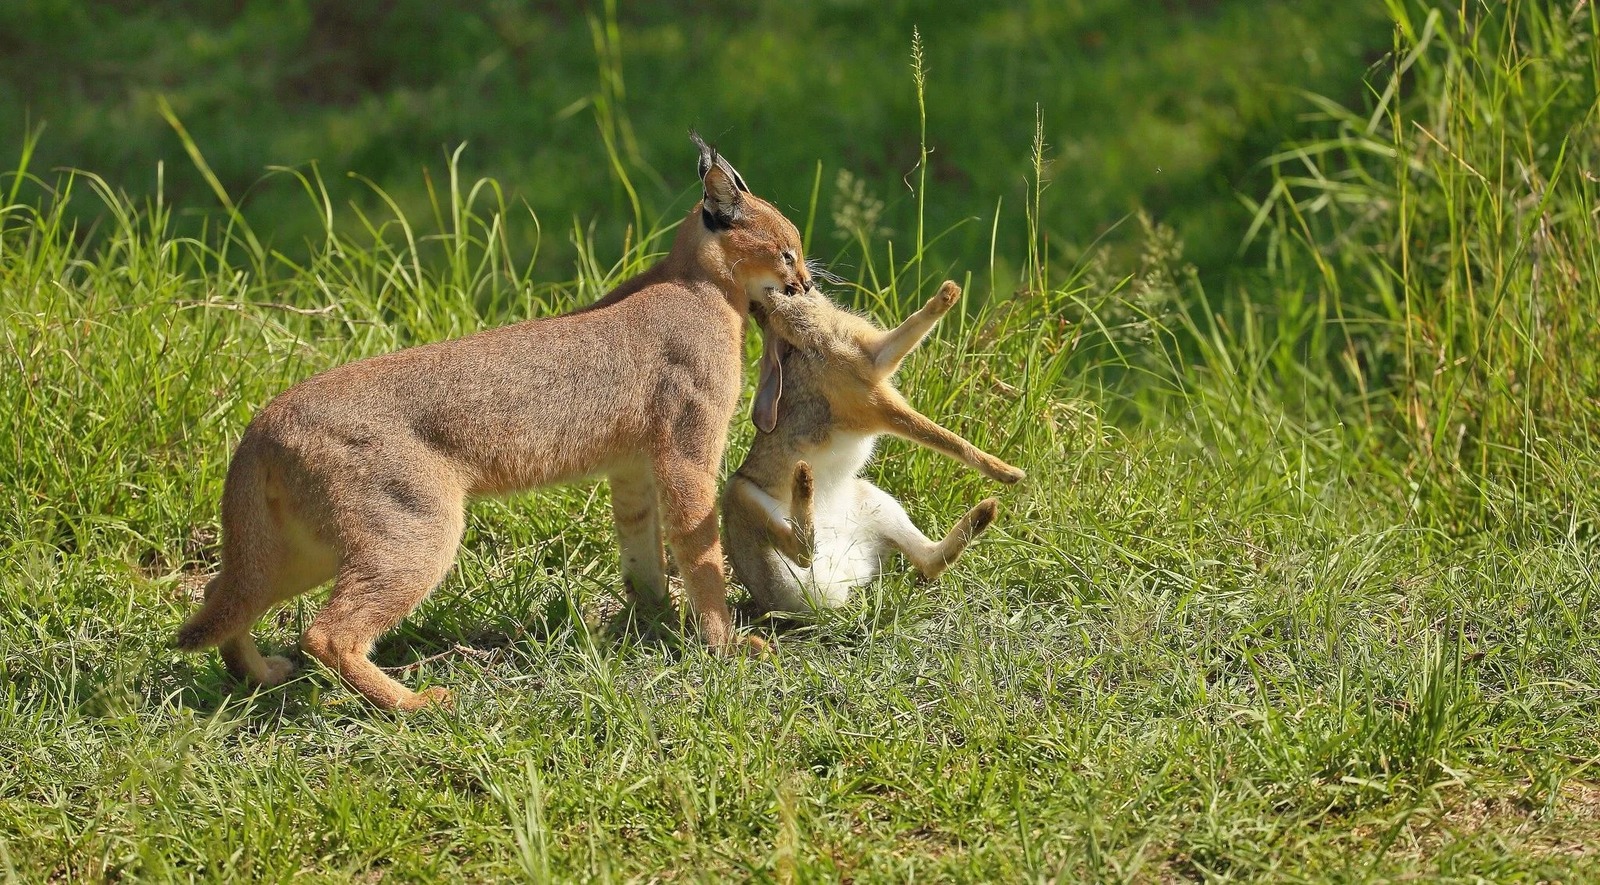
637	517
688	491
905	422
898	342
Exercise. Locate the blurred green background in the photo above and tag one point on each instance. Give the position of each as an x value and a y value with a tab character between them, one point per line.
1166	105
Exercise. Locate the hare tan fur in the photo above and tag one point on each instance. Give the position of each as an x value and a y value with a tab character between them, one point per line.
361	474
802	527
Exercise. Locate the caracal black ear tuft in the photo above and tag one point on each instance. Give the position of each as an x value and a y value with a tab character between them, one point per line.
724	188
707	155
709	158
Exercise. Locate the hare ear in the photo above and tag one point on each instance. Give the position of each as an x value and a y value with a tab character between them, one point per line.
724	188
769	386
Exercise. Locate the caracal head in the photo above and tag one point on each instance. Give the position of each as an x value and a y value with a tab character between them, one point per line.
757	245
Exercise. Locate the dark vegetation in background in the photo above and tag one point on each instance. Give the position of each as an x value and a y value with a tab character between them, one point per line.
1167	107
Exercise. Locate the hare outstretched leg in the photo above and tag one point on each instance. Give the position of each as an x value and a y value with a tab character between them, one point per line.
969	526
903	421
898	342
929	558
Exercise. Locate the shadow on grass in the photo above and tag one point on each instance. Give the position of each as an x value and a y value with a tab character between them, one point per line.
875	608
441	637
460	636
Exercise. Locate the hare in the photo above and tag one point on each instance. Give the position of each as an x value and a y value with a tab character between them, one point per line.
361	474
802	527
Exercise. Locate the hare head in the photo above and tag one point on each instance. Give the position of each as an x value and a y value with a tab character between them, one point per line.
810	322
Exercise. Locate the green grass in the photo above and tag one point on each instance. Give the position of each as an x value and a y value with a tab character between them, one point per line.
1301	585
1164	107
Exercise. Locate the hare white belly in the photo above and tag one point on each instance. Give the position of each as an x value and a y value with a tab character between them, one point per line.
852	518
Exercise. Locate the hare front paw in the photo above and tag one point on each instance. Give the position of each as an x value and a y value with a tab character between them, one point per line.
802	516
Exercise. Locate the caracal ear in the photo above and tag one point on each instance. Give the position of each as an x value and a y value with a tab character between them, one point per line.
724	188
709	158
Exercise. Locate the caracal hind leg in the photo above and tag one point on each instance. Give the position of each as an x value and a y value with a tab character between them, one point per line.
246	596
266	560
689	505
389	571
245	662
307	565
635	513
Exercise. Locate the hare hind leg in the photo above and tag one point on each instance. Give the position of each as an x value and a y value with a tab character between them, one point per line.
388	573
902	420
929	558
971	524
